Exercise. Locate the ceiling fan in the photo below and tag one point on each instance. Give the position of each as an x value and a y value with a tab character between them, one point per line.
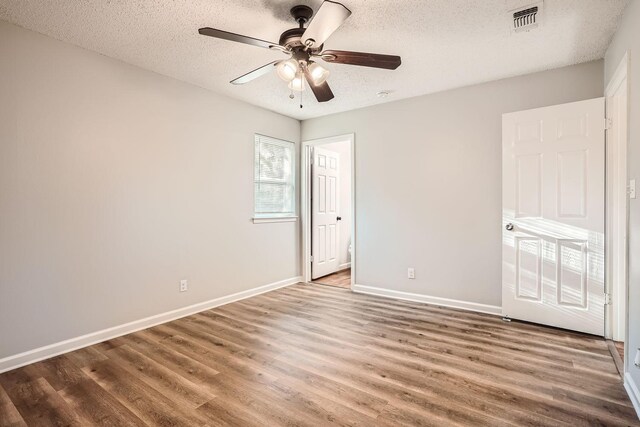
304	46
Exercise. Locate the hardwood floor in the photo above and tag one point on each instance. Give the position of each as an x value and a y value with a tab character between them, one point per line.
617	353
620	348
316	355
341	279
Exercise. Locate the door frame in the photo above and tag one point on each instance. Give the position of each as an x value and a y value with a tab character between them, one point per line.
616	318
305	201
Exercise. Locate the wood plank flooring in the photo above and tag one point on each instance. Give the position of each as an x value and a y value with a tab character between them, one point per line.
341	279
620	348
312	355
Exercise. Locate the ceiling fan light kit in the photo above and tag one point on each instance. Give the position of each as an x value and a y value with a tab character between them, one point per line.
318	73
287	70
297	83
303	45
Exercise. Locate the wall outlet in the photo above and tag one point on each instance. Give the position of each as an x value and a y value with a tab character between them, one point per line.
411	273
184	285
632	189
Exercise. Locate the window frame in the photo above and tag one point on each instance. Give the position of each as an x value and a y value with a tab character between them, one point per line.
259	217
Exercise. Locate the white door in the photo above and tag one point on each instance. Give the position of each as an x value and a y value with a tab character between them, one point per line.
553	215
324	214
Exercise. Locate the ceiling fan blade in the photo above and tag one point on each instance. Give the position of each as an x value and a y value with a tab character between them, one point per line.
322	92
329	18
251	75
389	62
212	32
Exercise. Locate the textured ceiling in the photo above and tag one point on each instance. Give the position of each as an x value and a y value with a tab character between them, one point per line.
443	43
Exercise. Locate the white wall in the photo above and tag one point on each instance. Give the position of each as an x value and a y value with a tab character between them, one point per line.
344	150
628	39
115	183
428	179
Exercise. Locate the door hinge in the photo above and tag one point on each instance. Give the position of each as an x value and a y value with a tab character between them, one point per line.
607	299
311	258
608	123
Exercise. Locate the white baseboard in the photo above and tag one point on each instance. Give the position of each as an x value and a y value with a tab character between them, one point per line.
46	352
633	392
344	266
446	302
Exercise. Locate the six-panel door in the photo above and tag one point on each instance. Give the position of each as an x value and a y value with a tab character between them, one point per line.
553	215
325	211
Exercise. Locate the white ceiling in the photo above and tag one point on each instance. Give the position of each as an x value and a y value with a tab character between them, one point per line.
443	43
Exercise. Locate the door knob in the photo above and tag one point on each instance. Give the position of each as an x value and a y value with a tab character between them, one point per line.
509	227
339	218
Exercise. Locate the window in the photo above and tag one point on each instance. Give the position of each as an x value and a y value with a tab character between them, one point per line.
274	172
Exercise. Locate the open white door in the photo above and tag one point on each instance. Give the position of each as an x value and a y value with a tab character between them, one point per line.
553	199
324	212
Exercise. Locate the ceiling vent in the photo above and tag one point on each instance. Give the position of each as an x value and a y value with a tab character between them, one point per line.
526	18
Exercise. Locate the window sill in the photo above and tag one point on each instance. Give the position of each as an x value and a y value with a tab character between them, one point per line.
275	219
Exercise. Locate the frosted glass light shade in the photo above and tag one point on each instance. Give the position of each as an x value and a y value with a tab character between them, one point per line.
297	83
318	73
287	70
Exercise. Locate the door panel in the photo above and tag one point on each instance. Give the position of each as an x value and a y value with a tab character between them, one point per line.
324	215
553	202
529	185
572	184
529	268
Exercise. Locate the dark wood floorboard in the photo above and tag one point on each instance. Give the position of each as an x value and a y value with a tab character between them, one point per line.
341	279
310	355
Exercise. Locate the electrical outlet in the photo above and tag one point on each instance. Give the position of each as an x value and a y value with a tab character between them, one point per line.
411	273
184	285
632	189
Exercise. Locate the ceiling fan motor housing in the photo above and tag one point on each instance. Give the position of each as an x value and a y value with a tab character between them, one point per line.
301	13
291	38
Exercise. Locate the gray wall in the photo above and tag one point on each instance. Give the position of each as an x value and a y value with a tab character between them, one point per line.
428	179
115	183
628	38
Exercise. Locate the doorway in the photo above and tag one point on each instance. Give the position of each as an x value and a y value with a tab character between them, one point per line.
616	96
588	295
328	211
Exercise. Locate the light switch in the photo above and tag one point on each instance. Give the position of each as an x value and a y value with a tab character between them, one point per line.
632	189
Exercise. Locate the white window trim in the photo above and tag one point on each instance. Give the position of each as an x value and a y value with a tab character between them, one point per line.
264	218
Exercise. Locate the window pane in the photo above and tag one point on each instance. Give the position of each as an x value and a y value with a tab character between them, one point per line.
274	177
274	162
273	198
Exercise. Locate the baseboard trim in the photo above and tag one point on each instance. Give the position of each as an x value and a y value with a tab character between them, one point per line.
446	302
31	356
344	266
633	392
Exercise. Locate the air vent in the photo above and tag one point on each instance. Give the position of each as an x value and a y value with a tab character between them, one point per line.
526	18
